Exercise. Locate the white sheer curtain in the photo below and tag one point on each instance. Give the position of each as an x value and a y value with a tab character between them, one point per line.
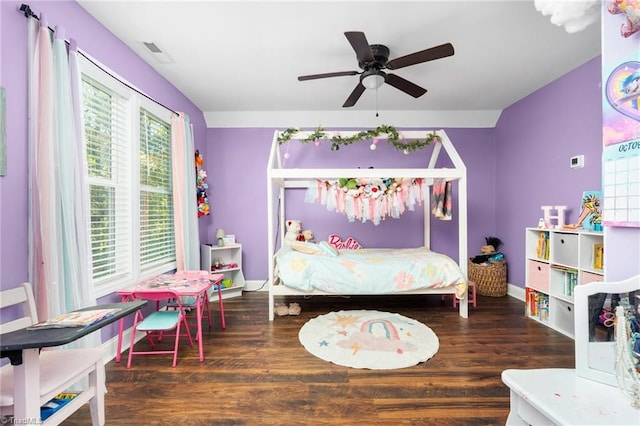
60	247
185	205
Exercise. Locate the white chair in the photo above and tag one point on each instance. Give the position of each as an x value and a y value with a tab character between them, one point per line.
59	369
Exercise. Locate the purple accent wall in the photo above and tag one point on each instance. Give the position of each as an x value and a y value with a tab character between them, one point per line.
98	42
512	169
535	138
236	164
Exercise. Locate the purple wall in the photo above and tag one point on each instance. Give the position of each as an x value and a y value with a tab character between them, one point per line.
535	138
98	42
513	169
236	164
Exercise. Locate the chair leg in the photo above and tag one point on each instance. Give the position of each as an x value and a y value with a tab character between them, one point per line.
175	348
133	337
472	286
150	338
97	381
471	294
186	326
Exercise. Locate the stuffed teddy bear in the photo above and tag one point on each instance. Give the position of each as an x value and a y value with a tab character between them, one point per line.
294	229
306	235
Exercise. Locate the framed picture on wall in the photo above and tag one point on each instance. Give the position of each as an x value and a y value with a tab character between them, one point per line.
3	133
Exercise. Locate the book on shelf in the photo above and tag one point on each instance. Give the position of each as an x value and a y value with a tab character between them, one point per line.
542	247
570	282
598	254
570	278
75	319
59	401
537	304
531	301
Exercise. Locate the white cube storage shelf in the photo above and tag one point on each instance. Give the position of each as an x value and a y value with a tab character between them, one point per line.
557	261
230	258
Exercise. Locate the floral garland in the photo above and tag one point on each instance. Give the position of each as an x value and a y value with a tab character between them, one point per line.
394	138
372	199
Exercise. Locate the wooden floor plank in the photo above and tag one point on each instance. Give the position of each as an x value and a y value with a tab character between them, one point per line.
257	373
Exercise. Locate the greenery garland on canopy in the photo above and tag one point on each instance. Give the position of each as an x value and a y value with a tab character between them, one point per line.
392	135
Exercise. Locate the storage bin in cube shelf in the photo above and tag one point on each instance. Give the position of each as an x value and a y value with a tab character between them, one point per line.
490	277
564	249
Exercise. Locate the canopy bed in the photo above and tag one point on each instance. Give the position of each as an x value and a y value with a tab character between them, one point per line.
285	281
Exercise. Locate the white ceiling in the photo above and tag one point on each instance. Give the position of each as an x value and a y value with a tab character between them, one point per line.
239	57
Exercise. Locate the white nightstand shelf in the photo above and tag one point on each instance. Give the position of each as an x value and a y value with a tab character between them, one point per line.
230	259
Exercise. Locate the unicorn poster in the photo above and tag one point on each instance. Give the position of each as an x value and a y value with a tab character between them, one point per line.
621	122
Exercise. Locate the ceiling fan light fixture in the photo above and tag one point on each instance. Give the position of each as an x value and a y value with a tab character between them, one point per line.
372	79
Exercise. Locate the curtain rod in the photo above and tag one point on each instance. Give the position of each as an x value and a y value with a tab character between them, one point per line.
28	13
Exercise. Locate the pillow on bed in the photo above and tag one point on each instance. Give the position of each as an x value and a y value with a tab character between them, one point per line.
328	248
313	248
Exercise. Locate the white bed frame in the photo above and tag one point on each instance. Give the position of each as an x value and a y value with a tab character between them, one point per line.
279	179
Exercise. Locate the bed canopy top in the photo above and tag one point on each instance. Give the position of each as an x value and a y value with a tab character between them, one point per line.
280	178
408	141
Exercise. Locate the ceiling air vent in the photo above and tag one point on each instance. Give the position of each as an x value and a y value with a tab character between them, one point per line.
157	52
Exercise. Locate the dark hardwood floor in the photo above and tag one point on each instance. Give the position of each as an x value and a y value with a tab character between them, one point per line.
256	372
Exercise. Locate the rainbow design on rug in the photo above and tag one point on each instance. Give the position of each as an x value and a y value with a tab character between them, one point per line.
369	339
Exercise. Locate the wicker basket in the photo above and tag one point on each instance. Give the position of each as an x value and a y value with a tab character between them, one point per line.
491	279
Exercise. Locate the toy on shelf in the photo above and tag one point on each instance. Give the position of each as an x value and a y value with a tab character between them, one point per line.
591	214
559	216
590	218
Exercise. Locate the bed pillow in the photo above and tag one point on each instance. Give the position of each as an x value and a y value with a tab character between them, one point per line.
306	247
328	249
313	248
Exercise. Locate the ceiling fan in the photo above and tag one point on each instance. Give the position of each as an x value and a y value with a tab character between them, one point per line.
374	58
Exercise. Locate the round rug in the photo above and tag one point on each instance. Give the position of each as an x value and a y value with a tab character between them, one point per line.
369	339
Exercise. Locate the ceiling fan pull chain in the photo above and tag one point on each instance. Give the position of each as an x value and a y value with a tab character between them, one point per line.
376	101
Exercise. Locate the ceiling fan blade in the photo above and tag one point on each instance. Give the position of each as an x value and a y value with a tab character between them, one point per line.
354	96
326	75
426	55
360	44
405	85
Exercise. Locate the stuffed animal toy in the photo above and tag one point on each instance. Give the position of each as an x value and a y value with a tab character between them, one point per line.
294	229
488	249
307	235
631	10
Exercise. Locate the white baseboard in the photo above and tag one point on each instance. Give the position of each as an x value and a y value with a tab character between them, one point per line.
516	292
257	285
111	346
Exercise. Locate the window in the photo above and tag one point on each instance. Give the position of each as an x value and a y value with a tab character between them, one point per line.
128	151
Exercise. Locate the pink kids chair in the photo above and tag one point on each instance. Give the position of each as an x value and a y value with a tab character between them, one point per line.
158	323
471	295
